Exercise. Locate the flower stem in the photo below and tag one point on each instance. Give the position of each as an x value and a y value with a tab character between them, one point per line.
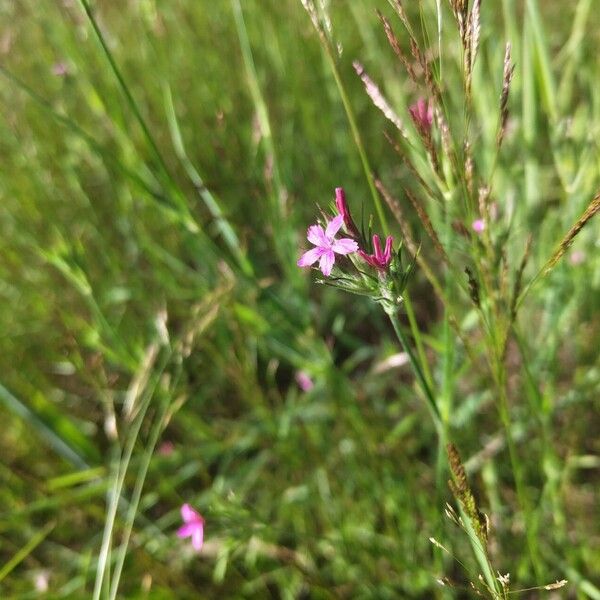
418	371
355	133
441	427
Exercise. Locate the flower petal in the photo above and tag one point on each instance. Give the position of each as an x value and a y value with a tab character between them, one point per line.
305	383
377	248
368	258
478	226
326	262
387	254
188	514
187	530
340	202
308	258
198	538
334	226
315	235
344	246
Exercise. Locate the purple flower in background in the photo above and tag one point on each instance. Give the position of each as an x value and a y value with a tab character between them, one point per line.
193	527
326	245
422	115
60	69
305	383
380	259
577	257
166	448
478	226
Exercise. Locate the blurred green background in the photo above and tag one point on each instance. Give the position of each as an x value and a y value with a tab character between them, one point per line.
154	195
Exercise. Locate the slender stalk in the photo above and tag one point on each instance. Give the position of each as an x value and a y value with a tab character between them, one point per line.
442	433
410	313
545	428
157	428
283	240
167	178
356	135
517	470
418	371
121	465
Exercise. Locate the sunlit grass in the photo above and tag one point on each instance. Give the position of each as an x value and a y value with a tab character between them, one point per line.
160	165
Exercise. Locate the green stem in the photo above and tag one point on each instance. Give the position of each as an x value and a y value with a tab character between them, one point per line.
157	428
414	329
418	371
504	413
443	437
356	135
165	175
284	240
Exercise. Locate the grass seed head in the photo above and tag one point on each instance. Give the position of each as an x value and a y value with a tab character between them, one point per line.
462	492
509	70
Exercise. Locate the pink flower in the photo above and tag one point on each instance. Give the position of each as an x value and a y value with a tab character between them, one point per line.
577	257
342	207
379	260
305	383
60	69
166	448
478	226
193	527
326	245
422	115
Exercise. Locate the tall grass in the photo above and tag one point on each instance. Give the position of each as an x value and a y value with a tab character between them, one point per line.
161	162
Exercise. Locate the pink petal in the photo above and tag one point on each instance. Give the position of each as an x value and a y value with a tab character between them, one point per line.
377	248
198	538
577	257
187	530
305	383
478	225
344	246
188	514
368	258
316	236
340	202
326	263
308	258
422	114
387	254
334	226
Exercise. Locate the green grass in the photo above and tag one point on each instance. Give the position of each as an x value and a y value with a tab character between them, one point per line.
153	204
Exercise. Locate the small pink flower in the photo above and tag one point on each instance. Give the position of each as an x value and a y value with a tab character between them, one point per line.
42	581
577	257
193	527
344	210
422	115
379	260
305	383
166	448
60	69
478	226
326	245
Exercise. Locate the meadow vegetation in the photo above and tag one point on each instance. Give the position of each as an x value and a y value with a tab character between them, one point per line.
159	345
